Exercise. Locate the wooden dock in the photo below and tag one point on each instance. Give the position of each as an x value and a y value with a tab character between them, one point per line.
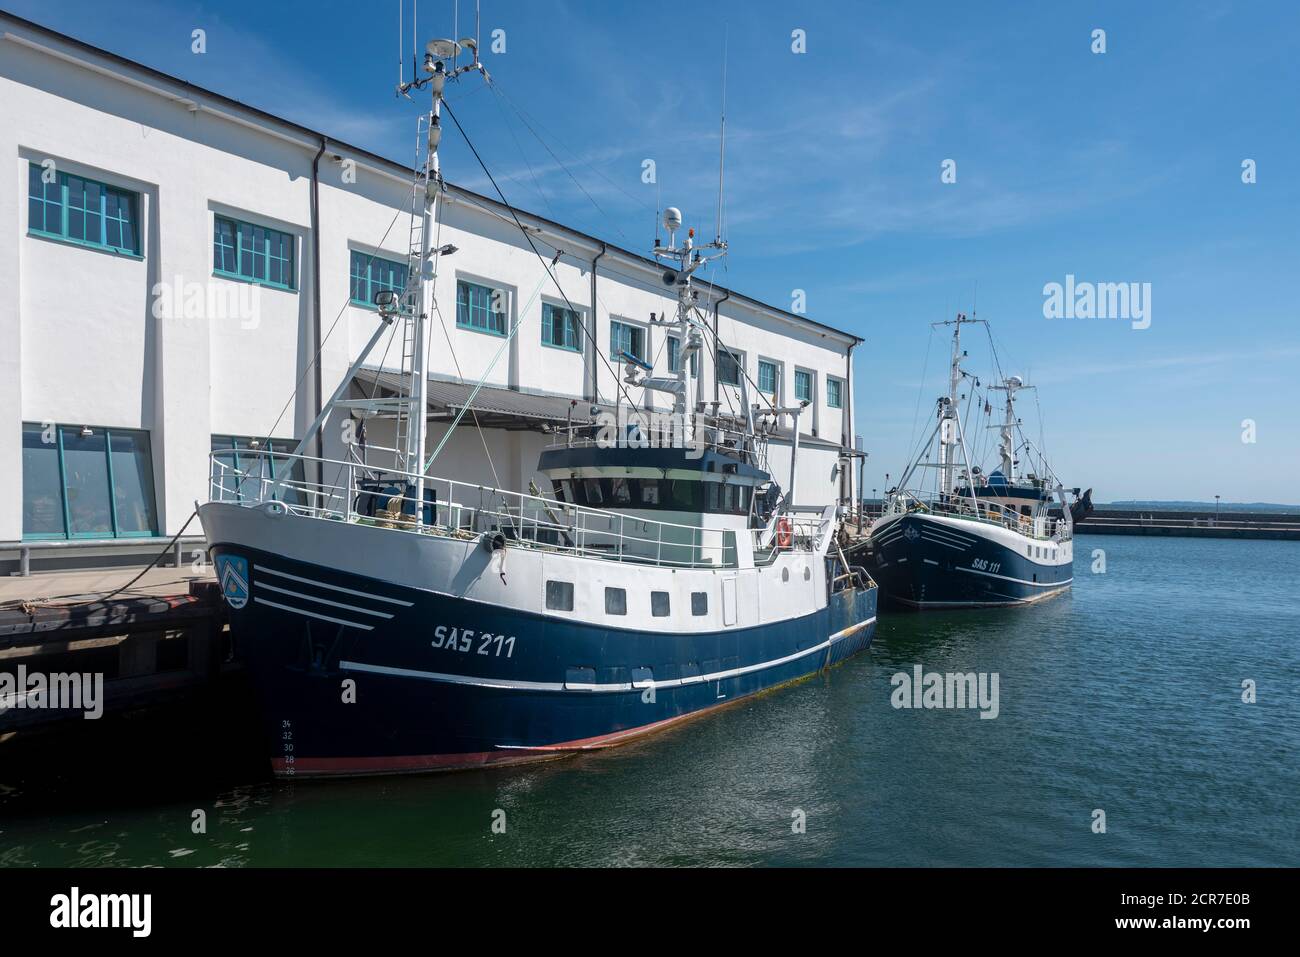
161	639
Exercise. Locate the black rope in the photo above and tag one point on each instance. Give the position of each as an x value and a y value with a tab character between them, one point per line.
18	602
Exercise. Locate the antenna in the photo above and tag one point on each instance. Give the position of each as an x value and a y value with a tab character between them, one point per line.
658	198
722	135
401	38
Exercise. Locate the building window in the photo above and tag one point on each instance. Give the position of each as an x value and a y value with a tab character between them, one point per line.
83	211
240	467
699	603
659	604
80	482
624	337
371	275
559	596
478	308
561	328
731	362
252	253
803	385
835	393
616	601
675	358
769	376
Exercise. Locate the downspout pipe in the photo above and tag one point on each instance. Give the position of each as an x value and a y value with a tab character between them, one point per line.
317	389
717	354
593	373
846	433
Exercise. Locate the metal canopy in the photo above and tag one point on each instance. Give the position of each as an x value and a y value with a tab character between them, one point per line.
499	408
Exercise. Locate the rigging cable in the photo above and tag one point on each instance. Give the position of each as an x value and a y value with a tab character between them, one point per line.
559	161
529	239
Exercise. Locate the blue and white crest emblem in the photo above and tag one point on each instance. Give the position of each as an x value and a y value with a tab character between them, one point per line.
232	572
911	534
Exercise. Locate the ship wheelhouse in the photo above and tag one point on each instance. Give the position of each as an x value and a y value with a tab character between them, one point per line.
708	487
1028	496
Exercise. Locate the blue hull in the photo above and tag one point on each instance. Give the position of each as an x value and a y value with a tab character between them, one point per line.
921	563
443	683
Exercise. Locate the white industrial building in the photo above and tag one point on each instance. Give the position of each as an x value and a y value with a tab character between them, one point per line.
171	260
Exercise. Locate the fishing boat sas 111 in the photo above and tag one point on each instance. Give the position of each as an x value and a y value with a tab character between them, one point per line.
975	539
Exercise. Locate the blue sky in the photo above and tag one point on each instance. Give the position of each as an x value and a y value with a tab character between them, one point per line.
1116	167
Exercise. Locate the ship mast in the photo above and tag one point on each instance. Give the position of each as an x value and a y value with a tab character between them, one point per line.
417	297
950	423
1006	446
684	261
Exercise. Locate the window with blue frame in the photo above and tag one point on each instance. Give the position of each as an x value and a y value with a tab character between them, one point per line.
371	275
561	328
83	211
730	365
625	337
803	385
240	466
768	377
835	393
480	308
675	358
82	482
252	253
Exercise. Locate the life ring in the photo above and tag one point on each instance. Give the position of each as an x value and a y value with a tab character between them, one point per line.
784	533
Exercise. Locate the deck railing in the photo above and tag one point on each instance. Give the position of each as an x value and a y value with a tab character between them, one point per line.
1042	527
350	491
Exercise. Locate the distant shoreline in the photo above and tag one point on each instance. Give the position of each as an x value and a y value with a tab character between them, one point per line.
1185	506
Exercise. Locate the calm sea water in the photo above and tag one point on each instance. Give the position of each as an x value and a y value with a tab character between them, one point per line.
1124	696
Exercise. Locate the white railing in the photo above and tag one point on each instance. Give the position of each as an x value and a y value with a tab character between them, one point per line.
353	492
1042	526
805	532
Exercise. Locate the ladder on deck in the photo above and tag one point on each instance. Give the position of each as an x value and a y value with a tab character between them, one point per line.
411	294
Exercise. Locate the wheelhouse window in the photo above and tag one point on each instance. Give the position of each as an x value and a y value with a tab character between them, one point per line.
675	358
82	482
82	211
480	308
559	596
624	337
730	364
561	328
680	495
769	377
242	465
252	253
370	275
835	393
803	385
